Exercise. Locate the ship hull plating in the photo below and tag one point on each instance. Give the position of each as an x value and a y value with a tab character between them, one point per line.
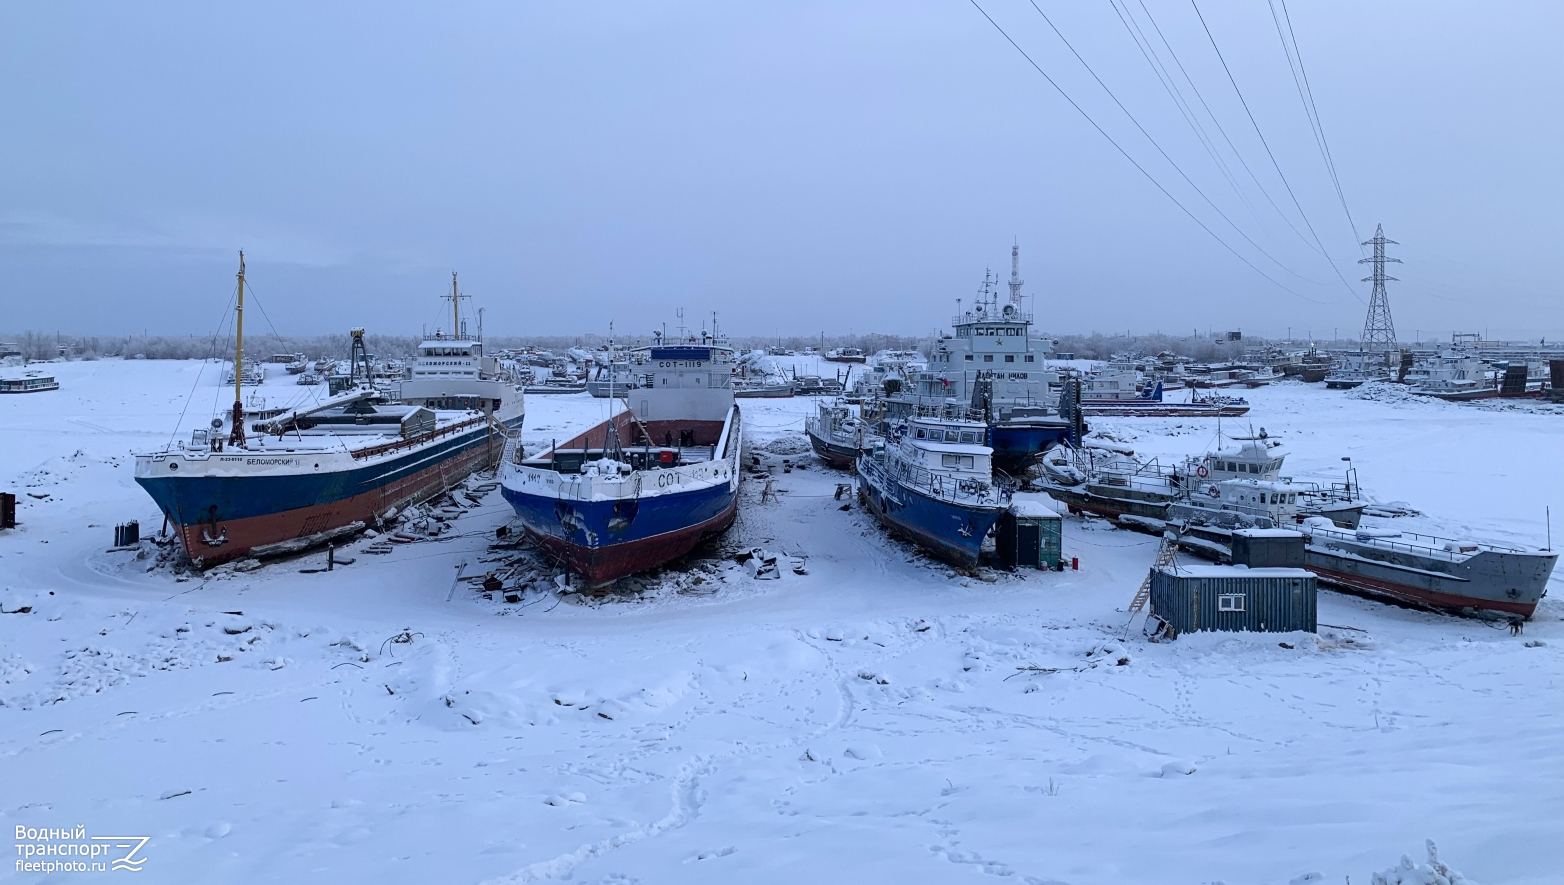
601	538
578	535
224	517
1018	445
834	454
952	532
1493	581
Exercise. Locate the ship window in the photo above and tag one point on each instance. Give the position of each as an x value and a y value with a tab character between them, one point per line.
969	357
1029	358
988	357
1292	497
920	433
1230	602
1009	358
968	436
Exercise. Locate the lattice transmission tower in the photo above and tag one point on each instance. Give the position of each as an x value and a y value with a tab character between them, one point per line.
1379	331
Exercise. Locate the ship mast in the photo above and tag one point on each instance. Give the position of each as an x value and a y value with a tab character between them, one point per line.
1015	274
236	435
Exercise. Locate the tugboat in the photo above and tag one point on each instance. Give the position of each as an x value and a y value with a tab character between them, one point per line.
1115	485
835	434
274	482
846	355
648	484
934	486
990	363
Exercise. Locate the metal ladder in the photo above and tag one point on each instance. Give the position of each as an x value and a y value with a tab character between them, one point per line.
1164	557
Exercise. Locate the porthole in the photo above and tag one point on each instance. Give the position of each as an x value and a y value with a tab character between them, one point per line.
173	466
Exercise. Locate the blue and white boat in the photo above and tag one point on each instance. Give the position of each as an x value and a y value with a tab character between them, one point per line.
648	484
934	485
992	362
262	482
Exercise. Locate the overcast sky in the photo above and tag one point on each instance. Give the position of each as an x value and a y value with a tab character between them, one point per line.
797	167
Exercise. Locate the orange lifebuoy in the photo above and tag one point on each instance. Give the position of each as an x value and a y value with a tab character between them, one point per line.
1202	472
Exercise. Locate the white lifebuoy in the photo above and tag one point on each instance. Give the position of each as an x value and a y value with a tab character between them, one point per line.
1214	492
1202	472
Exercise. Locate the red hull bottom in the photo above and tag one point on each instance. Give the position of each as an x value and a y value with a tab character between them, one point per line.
604	565
240	536
1419	596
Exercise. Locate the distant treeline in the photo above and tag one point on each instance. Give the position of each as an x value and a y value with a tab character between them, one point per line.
41	346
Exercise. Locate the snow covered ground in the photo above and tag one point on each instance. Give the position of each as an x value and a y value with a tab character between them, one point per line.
866	721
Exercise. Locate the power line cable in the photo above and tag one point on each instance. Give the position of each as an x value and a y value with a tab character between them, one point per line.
1164	153
1219	128
1170	86
1141	169
1319	125
1304	215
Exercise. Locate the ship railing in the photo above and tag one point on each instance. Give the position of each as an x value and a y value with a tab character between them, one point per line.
1336	492
731	430
449	429
946	487
947	412
994	316
1431	546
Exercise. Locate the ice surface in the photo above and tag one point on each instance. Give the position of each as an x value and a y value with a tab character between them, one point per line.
876	718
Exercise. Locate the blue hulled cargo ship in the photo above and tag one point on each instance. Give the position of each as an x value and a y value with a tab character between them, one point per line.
649	483
934	486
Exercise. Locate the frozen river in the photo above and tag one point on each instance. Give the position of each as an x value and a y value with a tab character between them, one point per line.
864	722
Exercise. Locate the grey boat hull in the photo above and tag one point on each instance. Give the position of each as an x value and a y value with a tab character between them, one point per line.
1510	582
1490	580
1111	502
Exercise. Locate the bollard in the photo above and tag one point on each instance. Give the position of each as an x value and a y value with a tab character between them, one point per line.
331	557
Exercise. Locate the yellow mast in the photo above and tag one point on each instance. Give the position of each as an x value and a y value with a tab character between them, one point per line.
456	313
